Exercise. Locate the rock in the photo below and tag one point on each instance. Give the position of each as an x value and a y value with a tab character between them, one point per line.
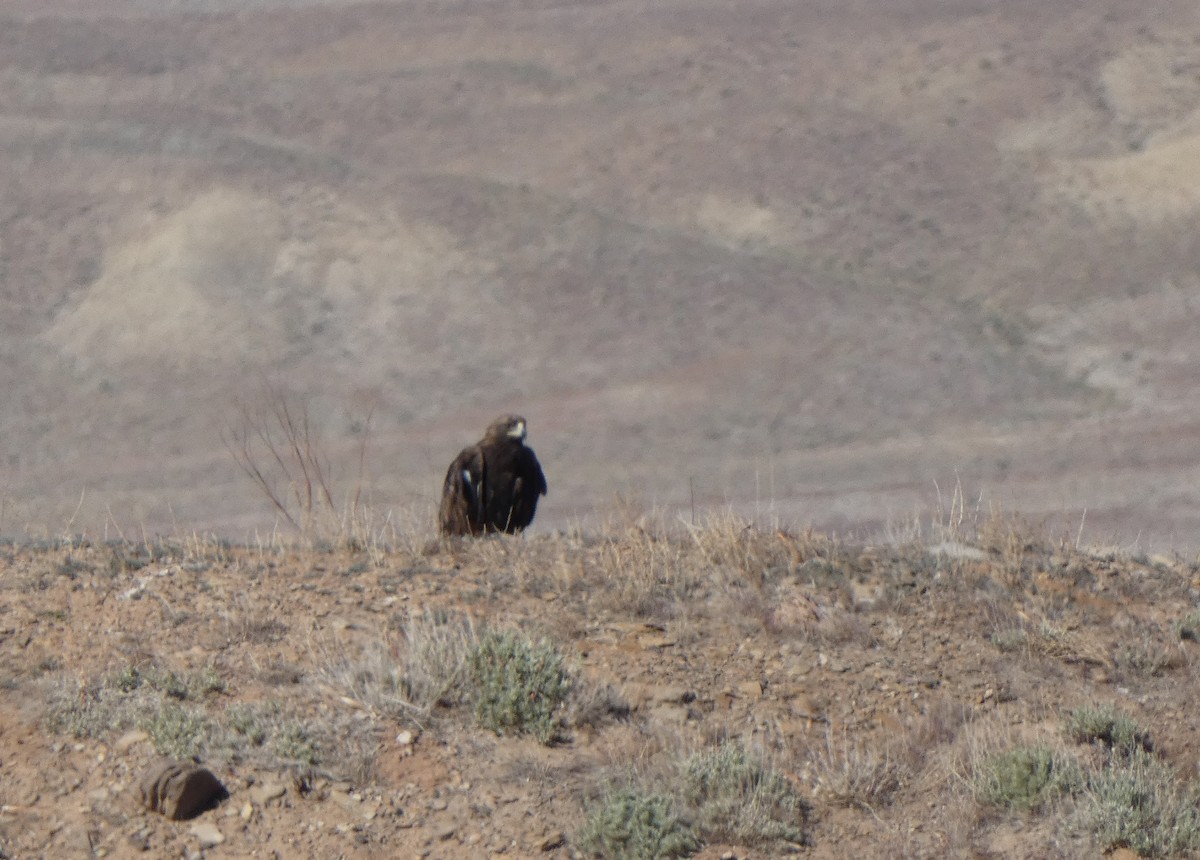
750	690
344	800
180	791
264	793
557	839
675	714
207	834
1124	854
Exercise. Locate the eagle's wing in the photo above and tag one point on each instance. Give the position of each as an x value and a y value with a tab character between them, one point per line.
464	494
534	476
529	483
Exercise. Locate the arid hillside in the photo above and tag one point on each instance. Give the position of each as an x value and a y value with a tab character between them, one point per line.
646	689
816	258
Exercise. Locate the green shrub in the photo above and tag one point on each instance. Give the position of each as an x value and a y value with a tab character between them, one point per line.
294	743
247	722
631	825
1106	725
1027	778
178	732
1140	804
736	798
518	686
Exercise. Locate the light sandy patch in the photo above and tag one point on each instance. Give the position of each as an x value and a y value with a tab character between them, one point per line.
1156	84
236	278
734	221
1124	345
1150	187
178	291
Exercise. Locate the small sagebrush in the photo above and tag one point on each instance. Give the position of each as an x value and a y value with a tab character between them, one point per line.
519	686
628	824
178	731
1027	778
1141	804
737	798
1106	725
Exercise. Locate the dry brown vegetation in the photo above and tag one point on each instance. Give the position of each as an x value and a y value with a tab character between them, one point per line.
981	690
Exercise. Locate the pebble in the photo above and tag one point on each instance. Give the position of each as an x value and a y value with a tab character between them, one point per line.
266	792
207	834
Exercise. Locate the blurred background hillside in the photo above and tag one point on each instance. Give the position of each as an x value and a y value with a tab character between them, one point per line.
812	259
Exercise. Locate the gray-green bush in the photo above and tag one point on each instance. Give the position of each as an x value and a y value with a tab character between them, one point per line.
1027	778
628	824
519	686
735	797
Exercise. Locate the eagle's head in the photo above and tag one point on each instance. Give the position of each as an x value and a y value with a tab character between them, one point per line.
508	427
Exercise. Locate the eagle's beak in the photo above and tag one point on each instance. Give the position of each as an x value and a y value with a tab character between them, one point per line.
518	430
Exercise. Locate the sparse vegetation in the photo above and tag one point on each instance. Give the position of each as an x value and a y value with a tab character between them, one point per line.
1104	724
387	662
736	798
178	731
1188	627
1027	778
518	685
628	824
1141	804
852	773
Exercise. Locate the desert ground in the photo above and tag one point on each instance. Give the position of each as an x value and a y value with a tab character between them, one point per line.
713	689
857	342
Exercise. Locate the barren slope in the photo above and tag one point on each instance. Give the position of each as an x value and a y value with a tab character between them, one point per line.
818	255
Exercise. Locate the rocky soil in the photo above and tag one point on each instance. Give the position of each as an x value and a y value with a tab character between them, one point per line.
875	679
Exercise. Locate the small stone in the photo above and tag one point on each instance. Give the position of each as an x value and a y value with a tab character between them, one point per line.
247	811
555	840
207	834
344	800
671	713
750	690
266	792
405	738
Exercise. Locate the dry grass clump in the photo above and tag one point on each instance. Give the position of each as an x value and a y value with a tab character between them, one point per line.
645	574
854	773
411	678
512	684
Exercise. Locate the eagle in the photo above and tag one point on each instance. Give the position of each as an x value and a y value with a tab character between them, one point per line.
493	485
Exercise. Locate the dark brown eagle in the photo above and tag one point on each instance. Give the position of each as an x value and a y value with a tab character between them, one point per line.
493	485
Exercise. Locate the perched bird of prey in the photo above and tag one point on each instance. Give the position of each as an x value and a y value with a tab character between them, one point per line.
493	485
